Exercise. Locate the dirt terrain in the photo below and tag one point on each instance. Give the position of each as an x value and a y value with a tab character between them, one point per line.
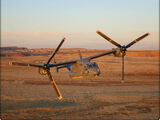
27	95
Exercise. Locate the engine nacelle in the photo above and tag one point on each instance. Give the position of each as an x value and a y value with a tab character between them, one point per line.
42	71
118	53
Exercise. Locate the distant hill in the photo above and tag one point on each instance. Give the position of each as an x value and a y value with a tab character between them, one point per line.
13	48
22	51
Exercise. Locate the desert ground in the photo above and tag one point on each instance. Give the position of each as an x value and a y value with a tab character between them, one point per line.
27	95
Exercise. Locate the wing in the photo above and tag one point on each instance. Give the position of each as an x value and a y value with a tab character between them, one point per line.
90	57
63	63
102	54
24	64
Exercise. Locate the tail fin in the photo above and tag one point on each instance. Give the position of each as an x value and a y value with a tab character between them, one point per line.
80	55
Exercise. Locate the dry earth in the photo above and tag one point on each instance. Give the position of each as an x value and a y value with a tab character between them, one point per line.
27	95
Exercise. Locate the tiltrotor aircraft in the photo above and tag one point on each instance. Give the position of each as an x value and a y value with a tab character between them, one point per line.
83	67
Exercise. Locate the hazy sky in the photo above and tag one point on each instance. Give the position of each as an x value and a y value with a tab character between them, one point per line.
43	23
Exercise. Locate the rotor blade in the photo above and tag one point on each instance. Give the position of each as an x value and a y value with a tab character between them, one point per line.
54	85
122	66
138	39
56	50
109	39
54	60
24	64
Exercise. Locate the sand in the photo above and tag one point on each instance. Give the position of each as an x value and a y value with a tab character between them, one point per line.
25	94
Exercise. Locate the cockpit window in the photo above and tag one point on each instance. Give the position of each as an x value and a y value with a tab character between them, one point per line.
95	65
92	65
89	66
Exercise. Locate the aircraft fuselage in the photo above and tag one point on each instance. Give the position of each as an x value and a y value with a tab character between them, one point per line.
84	69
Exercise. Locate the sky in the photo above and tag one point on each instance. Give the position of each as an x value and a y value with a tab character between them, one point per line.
44	23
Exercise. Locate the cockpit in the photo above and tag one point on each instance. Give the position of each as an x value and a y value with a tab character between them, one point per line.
92	66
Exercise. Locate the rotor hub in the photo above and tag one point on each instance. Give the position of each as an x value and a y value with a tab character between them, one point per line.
123	48
43	71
